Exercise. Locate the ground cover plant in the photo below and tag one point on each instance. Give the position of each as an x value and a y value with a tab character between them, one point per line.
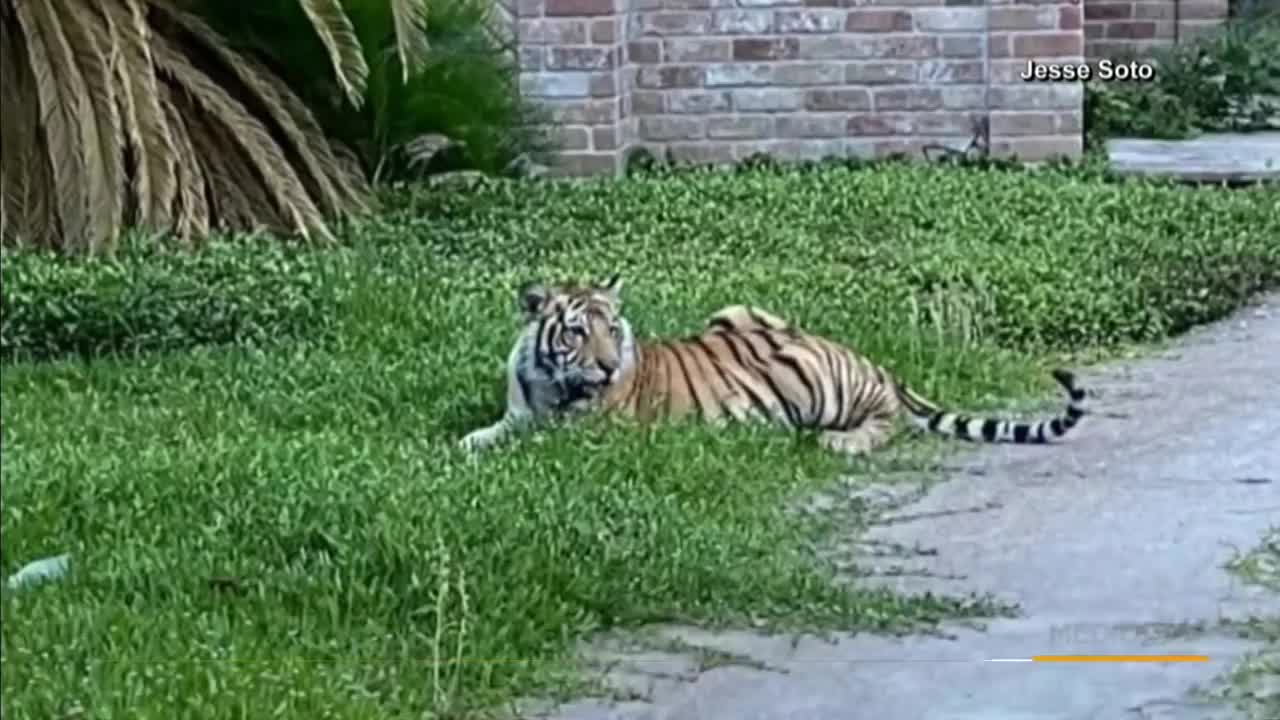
1253	686
279	522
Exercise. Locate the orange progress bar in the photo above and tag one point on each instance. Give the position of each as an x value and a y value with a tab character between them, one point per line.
1120	658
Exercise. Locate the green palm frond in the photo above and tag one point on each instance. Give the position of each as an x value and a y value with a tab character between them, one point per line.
412	45
331	23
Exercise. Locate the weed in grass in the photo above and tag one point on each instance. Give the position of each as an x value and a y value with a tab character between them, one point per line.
1253	686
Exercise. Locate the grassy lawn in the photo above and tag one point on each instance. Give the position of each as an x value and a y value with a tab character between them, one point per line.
266	510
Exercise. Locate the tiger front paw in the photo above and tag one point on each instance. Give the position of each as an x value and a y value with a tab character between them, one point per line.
479	440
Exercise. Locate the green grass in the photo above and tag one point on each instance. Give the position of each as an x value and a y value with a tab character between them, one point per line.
281	523
1253	686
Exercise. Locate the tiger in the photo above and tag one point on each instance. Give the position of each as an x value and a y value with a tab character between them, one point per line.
577	354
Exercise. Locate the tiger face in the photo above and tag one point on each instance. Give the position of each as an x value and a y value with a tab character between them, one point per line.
582	343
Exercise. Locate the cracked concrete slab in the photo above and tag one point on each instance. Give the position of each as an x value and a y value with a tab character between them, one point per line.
1112	542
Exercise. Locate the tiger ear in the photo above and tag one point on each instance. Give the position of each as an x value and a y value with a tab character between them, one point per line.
531	297
613	287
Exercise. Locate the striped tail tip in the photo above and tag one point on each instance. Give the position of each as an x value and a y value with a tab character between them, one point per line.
1067	380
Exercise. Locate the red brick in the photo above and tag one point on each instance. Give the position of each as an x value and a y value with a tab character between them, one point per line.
696	102
692	50
1069	18
1203	9
1112	48
910	148
809	21
1001	45
562	32
765	48
579	58
962	47
742	22
684	127
952	19
587	163
579	8
1094	10
807	149
939	124
876	21
1037	96
1022	123
671	76
646	102
687	4
1132	30
908	99
644	52
701	153
878	124
739	127
1034	149
768	100
936	72
603	85
1154	11
572	137
604	138
604	32
1004	72
670	24
873	73
1023	18
819	73
1047	45
812	126
531	58
836	100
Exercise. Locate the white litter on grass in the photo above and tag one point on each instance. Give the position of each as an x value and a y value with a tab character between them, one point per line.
50	568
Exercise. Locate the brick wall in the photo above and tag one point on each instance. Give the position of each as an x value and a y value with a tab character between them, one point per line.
1117	27
717	80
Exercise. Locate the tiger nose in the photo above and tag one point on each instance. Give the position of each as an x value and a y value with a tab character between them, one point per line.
608	367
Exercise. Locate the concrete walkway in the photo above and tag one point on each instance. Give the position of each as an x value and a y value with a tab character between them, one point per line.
1102	539
1213	157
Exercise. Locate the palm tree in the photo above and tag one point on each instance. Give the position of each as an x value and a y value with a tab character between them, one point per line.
138	113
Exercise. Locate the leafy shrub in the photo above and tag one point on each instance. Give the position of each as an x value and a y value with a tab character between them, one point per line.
148	298
1068	255
1226	81
1137	259
466	89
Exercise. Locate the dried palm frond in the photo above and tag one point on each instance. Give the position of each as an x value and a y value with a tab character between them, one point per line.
154	153
48	58
333	185
26	214
135	112
92	45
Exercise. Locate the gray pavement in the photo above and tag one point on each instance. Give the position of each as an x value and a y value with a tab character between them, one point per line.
1111	542
1212	157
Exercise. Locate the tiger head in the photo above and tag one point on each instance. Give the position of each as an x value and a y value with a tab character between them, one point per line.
581	338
